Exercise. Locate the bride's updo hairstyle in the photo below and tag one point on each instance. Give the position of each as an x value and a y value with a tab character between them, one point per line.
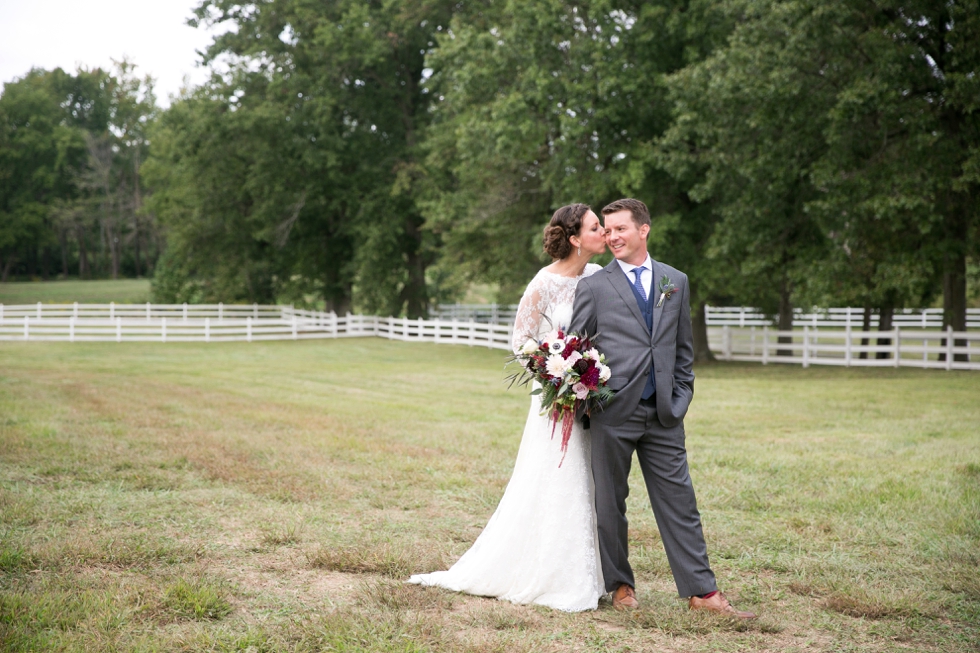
565	223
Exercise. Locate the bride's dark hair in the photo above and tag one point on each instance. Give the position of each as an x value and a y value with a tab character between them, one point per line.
565	223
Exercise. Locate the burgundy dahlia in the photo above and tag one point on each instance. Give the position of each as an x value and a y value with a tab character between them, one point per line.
591	378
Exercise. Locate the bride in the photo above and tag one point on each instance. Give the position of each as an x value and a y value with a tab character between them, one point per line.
540	546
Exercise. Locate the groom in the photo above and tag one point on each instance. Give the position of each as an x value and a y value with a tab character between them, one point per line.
639	309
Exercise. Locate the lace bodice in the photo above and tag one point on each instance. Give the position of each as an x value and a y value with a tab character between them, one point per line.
548	296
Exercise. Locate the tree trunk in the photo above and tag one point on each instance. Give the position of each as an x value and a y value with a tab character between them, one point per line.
785	317
136	244
8	264
885	315
865	328
82	253
63	241
114	246
414	293
339	305
954	299
137	203
699	324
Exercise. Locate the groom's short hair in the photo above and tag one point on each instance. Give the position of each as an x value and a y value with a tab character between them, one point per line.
641	216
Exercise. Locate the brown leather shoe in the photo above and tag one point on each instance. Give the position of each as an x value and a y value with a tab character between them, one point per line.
718	603
624	598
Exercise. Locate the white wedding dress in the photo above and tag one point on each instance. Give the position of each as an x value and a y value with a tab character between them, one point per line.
540	546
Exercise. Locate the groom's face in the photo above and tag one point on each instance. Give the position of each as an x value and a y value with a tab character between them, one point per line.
627	241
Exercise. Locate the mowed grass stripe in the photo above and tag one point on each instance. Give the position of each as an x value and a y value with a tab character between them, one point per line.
103	291
274	495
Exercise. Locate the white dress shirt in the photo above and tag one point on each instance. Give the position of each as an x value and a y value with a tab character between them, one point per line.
646	277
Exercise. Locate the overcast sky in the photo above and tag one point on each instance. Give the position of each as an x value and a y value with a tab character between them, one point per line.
69	33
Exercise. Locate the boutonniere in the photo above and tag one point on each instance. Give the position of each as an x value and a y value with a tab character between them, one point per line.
667	288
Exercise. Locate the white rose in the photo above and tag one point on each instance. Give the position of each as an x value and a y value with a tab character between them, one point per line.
530	347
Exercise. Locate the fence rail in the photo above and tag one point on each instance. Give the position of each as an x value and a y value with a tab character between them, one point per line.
168	324
742	316
835	318
949	350
900	347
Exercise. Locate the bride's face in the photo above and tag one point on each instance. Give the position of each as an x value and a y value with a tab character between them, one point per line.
592	235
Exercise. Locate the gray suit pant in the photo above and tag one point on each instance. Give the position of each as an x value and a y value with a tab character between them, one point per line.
663	460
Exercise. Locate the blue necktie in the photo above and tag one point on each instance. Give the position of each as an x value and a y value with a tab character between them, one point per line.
651	385
639	282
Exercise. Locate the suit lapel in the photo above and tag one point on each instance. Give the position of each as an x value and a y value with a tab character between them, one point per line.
655	295
622	285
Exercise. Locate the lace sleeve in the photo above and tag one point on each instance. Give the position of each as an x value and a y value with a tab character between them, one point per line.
529	312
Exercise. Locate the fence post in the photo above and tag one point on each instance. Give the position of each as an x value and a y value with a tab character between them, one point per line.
112	310
75	313
806	350
898	345
248	329
118	329
71	329
255	311
847	341
765	345
185	311
726	342
294	327
27	327
207	329
147	311
1	313
949	347
163	329
221	311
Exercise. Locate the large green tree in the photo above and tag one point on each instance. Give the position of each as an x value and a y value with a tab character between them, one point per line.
545	103
67	148
318	127
837	141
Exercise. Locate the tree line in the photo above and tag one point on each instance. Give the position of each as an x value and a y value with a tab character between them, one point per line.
380	156
71	193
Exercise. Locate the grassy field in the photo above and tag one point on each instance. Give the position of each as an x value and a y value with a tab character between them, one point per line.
267	497
123	291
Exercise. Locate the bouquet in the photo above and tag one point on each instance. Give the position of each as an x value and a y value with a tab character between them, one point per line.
572	374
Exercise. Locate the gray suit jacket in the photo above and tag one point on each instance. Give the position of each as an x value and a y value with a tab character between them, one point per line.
605	305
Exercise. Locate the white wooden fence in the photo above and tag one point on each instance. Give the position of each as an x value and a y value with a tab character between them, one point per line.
906	347
900	347
742	316
225	323
492	313
834	318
